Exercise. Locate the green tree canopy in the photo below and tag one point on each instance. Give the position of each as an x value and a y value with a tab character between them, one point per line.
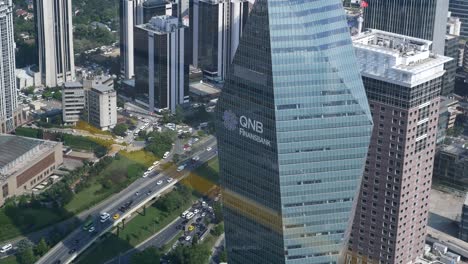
150	255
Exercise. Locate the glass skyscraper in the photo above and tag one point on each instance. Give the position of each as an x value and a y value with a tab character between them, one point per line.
293	126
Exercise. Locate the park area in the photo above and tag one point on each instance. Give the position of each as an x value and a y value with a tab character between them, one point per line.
121	172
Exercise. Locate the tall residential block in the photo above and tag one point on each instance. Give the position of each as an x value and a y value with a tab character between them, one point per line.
9	117
54	40
73	102
293	127
161	74
459	8
403	80
425	19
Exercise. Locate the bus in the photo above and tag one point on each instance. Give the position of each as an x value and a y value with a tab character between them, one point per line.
88	224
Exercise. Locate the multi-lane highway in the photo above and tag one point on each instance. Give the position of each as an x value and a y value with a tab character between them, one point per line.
133	196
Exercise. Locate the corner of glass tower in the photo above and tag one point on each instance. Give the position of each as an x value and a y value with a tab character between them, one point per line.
293	128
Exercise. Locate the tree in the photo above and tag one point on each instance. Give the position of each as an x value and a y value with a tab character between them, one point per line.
218	230
26	256
223	256
195	254
150	255
176	158
41	247
120	129
218	210
179	115
24	244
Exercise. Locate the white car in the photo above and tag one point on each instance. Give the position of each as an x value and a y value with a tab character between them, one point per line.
146	174
91	229
184	214
166	155
196	158
6	248
169	180
190	215
209	149
187	238
196	211
156	163
104	217
180	168
159	182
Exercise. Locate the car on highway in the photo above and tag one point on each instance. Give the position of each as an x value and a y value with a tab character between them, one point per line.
137	193
209	148
190	215
180	168
73	250
104	217
196	158
6	248
116	216
184	214
149	192
91	229
159	182
169	180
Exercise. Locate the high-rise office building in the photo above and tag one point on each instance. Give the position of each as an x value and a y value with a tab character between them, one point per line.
8	95
54	39
216	27
127	22
425	19
211	37
459	8
403	80
160	69
452	39
132	13
293	128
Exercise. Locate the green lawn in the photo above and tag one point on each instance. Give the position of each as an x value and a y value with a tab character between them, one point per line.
210	170
135	232
19	221
204	178
119	174
9	260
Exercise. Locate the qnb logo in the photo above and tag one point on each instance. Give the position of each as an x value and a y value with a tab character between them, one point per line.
251	124
230	120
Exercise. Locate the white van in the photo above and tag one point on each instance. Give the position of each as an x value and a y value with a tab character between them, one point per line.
6	248
184	214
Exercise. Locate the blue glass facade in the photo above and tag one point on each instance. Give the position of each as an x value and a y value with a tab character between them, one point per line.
293	127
